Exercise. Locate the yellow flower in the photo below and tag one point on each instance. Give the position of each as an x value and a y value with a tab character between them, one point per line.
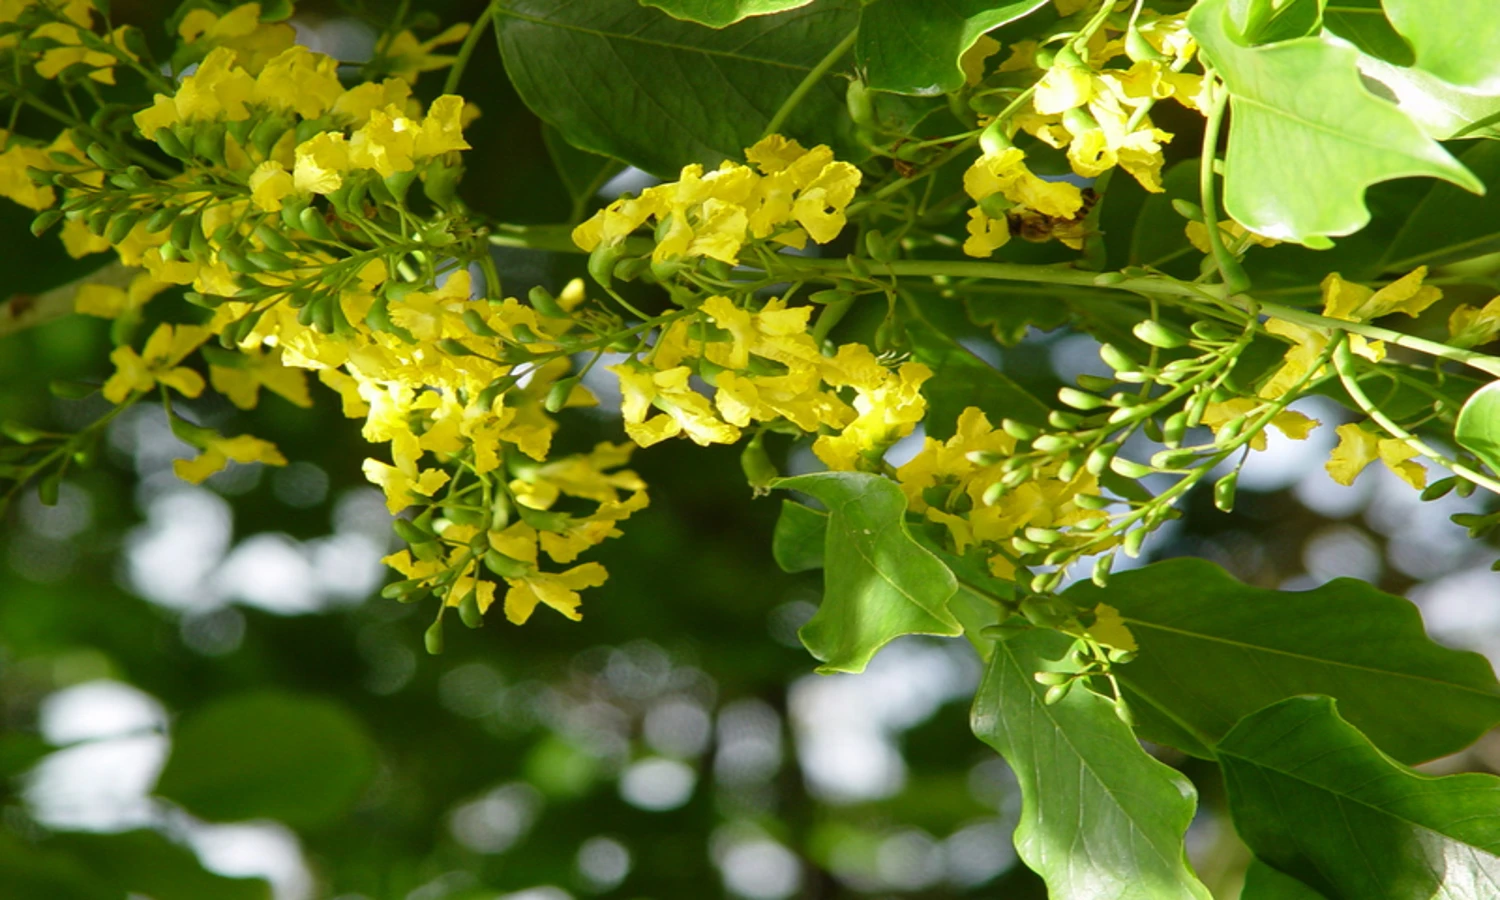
986	235
1289	422
1005	172
1359	447
242	382
557	590
385	143
71	53
1231	232
270	183
407	58
109	302
685	410
442	128
299	80
1471	327
219	451
157	363
402	484
239	31
321	162
15	184
888	411
1357	303
1063	88
1308	345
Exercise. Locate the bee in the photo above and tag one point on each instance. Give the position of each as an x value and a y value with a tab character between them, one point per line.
1030	225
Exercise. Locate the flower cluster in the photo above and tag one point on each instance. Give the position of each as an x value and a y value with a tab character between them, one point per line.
791	194
1094	101
289	220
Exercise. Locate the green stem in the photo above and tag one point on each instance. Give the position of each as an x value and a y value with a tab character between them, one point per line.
1229	267
813	77
461	61
921	268
1343	363
1488	364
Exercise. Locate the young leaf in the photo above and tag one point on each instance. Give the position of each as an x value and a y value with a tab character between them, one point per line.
1100	818
636	84
1478	426
719	13
878	583
1456	40
1213	650
797	543
1299	159
1314	798
913	46
268	755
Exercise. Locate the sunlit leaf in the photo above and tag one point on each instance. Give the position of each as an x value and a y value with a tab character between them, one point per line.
1456	40
1299	159
1478	426
1314	798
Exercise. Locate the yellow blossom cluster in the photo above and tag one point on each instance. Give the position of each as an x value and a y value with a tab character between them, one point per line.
962	484
288	220
764	366
789	195
1094	102
66	31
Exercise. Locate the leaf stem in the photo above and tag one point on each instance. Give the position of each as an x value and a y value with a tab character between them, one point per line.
461	61
801	91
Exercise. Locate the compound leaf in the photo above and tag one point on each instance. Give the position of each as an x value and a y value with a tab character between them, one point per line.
1313	797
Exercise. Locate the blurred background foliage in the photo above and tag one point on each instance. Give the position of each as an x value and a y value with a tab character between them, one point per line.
201	695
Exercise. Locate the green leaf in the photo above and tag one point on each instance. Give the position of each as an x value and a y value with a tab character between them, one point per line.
1213	650
1100	818
1299	160
146	864
1478	425
878	583
719	13
268	754
1314	798
621	80
1363	24
1270	21
1265	883
960	380
1442	111
1456	40
797	543
582	173
913	46
1449	224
